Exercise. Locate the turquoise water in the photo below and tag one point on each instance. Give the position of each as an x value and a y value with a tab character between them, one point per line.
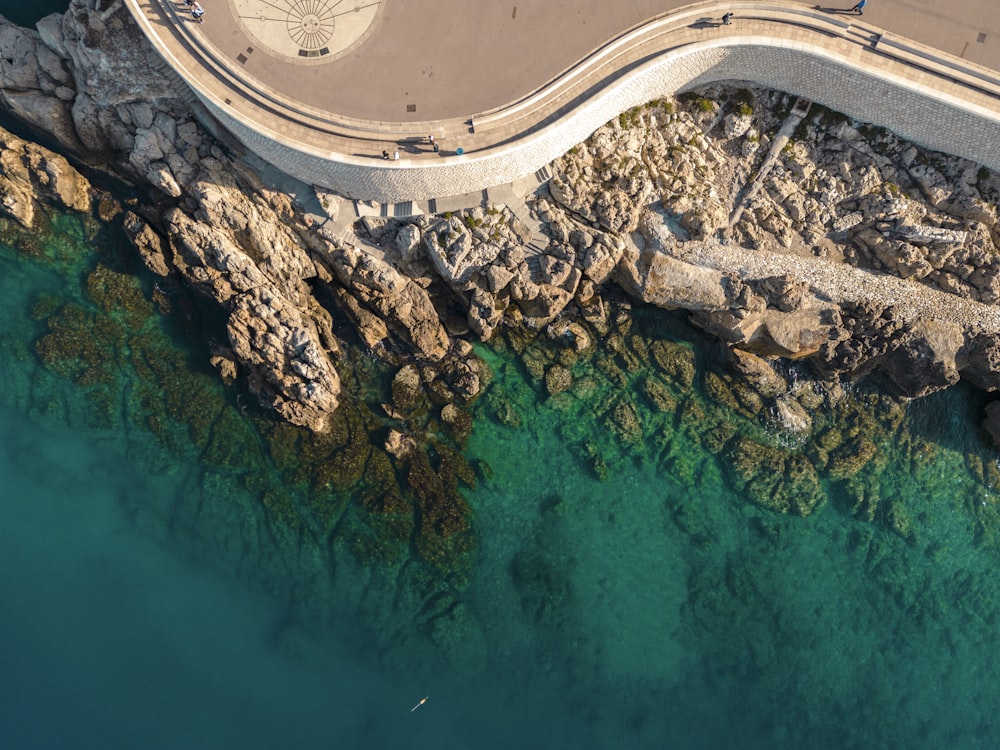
170	578
653	608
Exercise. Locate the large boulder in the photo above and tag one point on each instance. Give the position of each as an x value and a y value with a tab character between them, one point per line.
403	304
289	371
991	421
982	366
926	358
31	176
667	282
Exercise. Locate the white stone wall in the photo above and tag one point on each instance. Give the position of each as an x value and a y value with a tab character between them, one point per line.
919	114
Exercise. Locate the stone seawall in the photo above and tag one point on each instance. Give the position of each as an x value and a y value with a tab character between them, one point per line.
919	113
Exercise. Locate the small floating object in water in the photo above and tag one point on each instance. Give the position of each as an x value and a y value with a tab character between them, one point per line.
422	702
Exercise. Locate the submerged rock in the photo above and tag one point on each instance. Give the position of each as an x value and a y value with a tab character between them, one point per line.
790	415
780	481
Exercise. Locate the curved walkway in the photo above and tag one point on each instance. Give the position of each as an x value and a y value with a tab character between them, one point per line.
295	113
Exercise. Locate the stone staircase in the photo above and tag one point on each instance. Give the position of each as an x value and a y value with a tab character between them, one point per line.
535	245
799	110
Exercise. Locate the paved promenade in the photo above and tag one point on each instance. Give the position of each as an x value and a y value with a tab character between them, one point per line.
453	59
347	79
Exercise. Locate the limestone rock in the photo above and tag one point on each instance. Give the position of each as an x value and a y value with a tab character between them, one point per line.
931	235
782	292
599	260
925	361
159	175
151	246
398	444
408	242
668	282
289	370
736	124
484	315
370	327
210	260
759	373
455	253
794	335
402	303
982	368
224	361
498	277
569	333
31	176
790	416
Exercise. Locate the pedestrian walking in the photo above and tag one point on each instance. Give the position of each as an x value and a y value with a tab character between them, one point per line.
197	12
395	156
437	148
385	154
430	139
727	19
858	8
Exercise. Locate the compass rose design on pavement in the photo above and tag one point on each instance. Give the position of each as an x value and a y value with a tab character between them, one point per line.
306	29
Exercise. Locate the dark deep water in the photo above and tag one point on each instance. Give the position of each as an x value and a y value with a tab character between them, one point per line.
28	14
653	608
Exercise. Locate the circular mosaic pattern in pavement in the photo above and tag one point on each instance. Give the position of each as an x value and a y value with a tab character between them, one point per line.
306	30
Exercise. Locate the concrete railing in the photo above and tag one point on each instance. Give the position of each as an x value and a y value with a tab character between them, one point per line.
207	58
939	64
518	138
653	35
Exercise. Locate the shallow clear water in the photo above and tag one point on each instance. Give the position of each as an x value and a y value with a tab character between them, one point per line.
656	608
144	602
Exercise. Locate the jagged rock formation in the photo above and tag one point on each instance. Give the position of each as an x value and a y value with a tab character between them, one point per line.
30	175
91	82
845	246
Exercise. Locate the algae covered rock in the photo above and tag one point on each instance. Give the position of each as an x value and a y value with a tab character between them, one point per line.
864	495
850	457
735	394
460	638
775	479
444	537
676	361
659	395
457	421
558	379
407	392
623	420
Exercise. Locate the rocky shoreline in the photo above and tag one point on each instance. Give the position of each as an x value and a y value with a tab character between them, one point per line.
814	251
786	235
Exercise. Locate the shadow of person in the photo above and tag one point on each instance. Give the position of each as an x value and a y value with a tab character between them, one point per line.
706	23
821	9
413	145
